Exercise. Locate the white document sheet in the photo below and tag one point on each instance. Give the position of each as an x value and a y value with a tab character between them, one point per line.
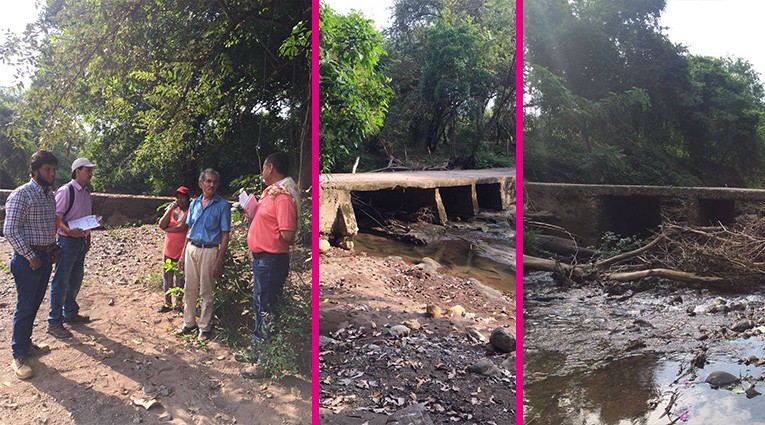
244	198
84	223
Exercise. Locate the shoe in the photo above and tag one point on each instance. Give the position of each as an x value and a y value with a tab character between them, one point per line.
38	349
77	318
22	370
255	371
204	336
186	330
165	308
59	331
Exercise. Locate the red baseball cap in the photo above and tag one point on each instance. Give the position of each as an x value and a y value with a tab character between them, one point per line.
183	189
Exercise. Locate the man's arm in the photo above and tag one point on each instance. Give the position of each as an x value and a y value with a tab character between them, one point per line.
218	268
286	218
62	198
16	210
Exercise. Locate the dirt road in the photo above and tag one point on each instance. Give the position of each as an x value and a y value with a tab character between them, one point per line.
129	351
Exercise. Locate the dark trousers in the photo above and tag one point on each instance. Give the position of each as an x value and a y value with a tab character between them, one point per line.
30	290
67	280
269	272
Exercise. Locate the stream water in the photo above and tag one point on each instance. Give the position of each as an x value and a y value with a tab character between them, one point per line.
481	249
593	357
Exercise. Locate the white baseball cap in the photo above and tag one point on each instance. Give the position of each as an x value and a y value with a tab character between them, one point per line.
82	162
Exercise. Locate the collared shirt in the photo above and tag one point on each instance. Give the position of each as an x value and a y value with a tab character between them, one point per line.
81	207
206	224
276	212
30	218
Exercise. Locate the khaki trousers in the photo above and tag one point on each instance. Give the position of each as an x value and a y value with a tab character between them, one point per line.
199	283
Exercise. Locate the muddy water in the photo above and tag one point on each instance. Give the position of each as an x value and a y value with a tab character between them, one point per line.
480	251
593	357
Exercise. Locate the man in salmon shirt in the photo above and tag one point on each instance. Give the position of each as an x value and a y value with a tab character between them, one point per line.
173	222
272	231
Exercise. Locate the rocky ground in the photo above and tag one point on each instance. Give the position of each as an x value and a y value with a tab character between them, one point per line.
402	342
624	333
129	354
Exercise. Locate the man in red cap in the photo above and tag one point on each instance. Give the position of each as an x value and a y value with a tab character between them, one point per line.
173	222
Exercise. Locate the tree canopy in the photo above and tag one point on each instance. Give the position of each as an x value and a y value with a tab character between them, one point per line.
612	100
155	91
451	67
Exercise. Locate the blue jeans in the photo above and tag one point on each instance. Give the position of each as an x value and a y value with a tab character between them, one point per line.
269	272
67	280
30	290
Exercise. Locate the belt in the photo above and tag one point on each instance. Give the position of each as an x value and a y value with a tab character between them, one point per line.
44	248
204	245
267	254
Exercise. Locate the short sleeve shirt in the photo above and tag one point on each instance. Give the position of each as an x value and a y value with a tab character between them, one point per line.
206	224
81	207
273	215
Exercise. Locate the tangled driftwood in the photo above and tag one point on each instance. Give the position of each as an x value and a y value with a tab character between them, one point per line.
679	252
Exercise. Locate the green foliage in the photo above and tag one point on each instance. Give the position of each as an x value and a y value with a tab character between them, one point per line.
530	241
452	66
612	100
354	93
488	157
612	244
156	91
289	351
154	281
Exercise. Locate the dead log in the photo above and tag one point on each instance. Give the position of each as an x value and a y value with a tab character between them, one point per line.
546	265
627	255
665	273
563	246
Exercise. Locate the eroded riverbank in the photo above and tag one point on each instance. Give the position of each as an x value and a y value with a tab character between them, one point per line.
442	367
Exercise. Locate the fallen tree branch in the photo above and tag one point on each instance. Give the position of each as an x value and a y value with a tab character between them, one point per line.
665	273
602	264
547	265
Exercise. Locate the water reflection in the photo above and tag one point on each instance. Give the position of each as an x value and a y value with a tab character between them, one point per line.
459	256
638	390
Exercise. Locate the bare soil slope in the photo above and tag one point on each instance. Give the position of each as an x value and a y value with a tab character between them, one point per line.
369	376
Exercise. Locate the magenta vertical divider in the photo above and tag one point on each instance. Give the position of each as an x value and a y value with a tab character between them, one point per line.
519	211
315	210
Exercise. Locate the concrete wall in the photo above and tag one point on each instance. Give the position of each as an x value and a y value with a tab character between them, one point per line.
117	210
588	211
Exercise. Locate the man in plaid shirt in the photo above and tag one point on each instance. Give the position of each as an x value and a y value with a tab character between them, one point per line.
30	227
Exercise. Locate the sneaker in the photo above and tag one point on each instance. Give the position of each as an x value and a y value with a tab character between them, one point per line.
22	370
38	349
204	336
59	331
254	372
165	308
77	318
184	330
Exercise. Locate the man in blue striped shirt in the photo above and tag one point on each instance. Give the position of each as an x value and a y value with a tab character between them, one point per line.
30	226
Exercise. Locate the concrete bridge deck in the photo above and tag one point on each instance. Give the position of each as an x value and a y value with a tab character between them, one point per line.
589	210
459	193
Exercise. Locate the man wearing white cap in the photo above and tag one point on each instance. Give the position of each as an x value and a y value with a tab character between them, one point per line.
72	202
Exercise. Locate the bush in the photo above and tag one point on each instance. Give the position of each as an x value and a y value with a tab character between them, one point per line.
290	349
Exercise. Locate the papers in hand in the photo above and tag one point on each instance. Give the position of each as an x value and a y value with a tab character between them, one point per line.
244	198
84	223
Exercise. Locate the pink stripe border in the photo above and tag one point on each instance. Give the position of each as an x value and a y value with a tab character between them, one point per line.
519	212
315	299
